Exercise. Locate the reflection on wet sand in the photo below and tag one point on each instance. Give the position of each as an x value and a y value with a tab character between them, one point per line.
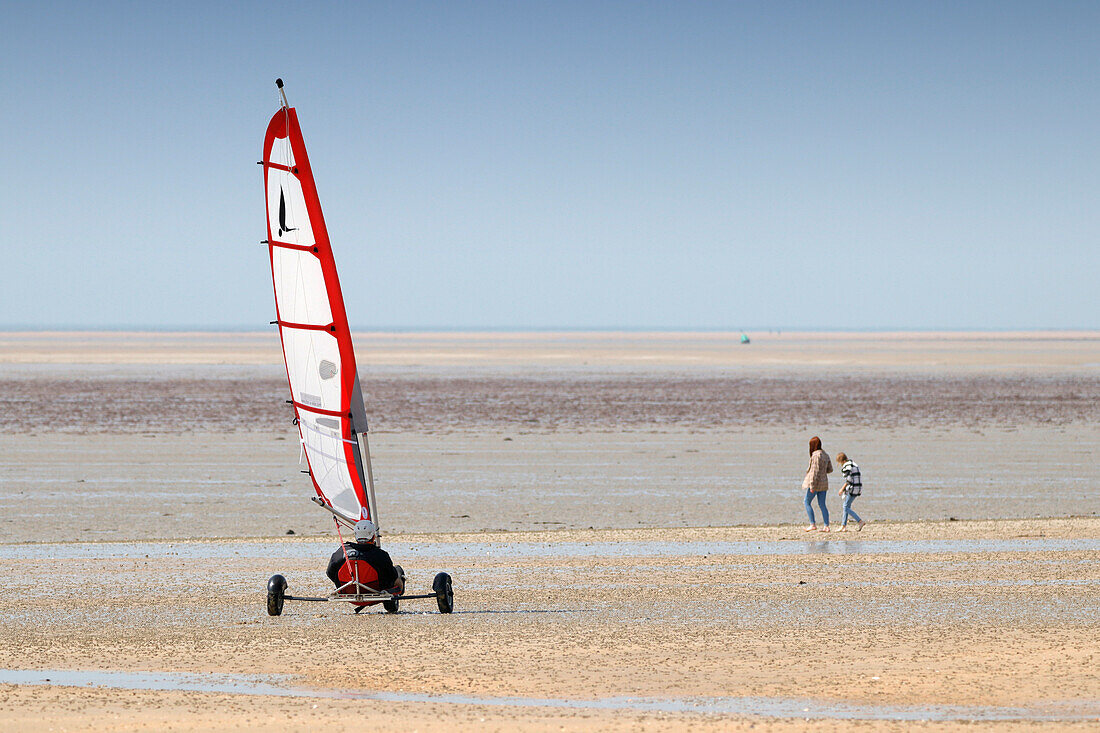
281	686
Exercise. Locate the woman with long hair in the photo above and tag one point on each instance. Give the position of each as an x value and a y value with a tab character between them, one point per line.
816	483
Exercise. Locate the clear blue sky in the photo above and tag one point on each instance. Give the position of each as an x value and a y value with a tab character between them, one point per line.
575	165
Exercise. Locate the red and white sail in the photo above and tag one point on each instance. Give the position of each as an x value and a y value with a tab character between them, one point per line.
313	326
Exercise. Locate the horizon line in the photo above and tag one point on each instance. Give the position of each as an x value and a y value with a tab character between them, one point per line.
136	329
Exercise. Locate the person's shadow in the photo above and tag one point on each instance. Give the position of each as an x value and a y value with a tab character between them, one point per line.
837	547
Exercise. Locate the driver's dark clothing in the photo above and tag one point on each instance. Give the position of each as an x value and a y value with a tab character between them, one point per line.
373	555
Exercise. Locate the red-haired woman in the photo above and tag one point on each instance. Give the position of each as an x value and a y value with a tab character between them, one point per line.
816	483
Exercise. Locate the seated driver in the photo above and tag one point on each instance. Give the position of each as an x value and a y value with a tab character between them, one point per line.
365	548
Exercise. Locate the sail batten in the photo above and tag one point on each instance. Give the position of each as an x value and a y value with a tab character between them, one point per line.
313	327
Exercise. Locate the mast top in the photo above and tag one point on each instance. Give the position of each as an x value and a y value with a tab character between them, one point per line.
279	83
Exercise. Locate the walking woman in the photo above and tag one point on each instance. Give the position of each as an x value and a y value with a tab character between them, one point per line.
817	483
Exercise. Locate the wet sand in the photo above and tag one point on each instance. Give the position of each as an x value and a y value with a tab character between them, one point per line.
156	485
628	555
446	401
707	629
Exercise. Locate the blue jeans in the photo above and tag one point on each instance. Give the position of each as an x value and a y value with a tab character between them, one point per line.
848	499
820	502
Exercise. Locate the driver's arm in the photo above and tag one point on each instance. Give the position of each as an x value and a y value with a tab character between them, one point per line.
387	576
334	564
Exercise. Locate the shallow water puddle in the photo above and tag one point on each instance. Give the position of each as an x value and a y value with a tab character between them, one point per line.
771	707
309	549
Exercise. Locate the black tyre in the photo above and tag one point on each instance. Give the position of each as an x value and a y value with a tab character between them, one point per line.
444	594
276	590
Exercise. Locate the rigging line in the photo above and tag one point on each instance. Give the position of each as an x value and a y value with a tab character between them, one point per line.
335	464
313	450
301	302
292	220
316	449
346	560
291	160
330	436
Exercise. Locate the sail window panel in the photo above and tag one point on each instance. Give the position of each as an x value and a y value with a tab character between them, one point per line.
281	153
313	365
287	215
322	438
300	287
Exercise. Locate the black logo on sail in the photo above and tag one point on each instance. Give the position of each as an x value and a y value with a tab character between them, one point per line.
283	228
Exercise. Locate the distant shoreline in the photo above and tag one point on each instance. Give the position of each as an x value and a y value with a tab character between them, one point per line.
1091	333
857	351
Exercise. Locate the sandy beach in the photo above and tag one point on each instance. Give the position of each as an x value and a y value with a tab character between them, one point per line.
620	512
709	629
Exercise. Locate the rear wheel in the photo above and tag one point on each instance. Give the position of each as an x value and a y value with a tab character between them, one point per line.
276	590
444	593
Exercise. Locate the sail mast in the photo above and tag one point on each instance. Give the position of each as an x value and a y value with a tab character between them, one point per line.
363	464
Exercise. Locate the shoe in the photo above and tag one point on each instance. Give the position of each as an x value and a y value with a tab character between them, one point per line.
811	528
843	528
825	528
860	527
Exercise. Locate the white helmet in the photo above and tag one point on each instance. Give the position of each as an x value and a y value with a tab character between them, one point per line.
365	531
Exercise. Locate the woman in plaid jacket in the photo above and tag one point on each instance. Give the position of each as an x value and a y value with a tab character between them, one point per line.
816	483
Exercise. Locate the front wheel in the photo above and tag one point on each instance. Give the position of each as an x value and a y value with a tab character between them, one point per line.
444	593
276	590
